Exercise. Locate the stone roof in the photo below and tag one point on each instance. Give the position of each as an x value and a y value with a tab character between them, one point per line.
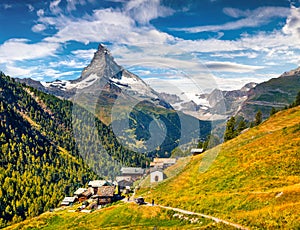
80	191
106	191
98	183
132	170
155	164
69	199
165	160
87	193
155	170
121	178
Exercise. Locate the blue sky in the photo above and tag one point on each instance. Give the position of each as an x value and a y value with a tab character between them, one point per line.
165	42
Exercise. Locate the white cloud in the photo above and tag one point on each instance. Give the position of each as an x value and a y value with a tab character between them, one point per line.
84	54
103	25
292	26
72	4
231	67
143	11
7	6
55	74
15	71
54	7
20	50
40	13
250	18
38	28
68	63
232	55
30	7
238	82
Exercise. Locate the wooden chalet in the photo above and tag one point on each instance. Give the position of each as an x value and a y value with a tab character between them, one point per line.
68	201
134	173
104	195
83	194
96	184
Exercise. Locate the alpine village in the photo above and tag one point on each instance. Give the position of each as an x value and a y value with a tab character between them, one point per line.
105	150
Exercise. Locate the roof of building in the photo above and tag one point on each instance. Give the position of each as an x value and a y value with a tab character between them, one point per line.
87	193
98	183
165	160
64	203
196	150
132	170
157	164
80	191
69	199
124	183
121	178
152	170
106	191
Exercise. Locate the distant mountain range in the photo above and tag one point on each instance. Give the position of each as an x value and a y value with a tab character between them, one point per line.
105	81
138	114
275	93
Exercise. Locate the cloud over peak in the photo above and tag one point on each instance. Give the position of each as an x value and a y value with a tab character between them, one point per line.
247	18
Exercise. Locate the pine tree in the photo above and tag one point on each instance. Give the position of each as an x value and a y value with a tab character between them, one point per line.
273	111
258	118
241	126
230	129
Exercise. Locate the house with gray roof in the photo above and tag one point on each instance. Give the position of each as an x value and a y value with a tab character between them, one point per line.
133	172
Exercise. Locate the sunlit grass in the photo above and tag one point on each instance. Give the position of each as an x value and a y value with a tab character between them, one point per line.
120	216
243	182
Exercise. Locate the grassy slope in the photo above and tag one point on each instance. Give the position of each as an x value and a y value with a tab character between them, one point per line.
242	183
120	216
241	186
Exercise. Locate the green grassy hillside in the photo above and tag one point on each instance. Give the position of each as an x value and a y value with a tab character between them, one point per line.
40	161
254	181
120	216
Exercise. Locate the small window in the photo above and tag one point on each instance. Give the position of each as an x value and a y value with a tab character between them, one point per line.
156	178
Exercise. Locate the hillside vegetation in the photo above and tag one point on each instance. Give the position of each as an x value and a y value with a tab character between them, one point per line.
40	162
254	181
38	158
119	216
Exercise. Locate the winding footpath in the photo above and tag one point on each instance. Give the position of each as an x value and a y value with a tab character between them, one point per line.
218	220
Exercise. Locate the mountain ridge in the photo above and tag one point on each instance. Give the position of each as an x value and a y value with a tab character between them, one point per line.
118	82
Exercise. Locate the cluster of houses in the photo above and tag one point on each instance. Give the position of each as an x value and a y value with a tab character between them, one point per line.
102	192
99	192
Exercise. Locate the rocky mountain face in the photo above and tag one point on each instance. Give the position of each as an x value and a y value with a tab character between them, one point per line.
216	105
139	116
101	83
275	93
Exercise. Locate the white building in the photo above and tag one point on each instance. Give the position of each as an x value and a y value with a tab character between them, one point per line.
156	175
